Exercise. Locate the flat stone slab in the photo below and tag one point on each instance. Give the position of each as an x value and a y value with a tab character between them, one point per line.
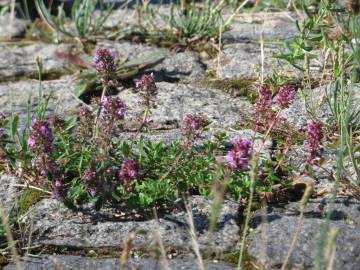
8	190
280	229
57	226
174	66
20	61
55	262
174	101
243	60
17	29
275	26
315	102
14	96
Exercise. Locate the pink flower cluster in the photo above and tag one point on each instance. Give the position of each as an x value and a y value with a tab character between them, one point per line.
41	146
41	138
104	61
314	138
285	97
239	156
129	172
192	127
113	108
267	112
2	126
147	89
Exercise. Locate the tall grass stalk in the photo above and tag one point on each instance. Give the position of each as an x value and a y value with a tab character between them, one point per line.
160	243
10	239
308	191
253	176
195	242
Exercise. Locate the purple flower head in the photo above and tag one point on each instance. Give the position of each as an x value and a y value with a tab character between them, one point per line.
239	156
59	190
314	138
113	108
40	137
147	89
264	111
193	125
146	83
2	117
129	172
84	112
89	175
286	96
104	61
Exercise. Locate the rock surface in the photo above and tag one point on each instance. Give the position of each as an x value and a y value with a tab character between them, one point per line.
174	101
280	229
174	66
275	26
84	263
14	96
313	102
8	191
242	60
57	226
20	61
17	29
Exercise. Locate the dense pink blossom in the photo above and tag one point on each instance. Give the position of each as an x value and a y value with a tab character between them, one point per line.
192	127
129	172
41	146
240	155
40	138
314	138
147	89
264	110
104	61
112	108
286	96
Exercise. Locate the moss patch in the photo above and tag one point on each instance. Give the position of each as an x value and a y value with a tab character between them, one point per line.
243	87
39	30
28	199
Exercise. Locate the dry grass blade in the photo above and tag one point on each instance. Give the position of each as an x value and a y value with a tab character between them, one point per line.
9	236
331	247
159	241
125	255
195	243
309	190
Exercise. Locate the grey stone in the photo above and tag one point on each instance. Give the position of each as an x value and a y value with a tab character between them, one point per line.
241	60
315	102
8	31
57	226
174	66
174	101
9	192
53	262
20	61
275	26
14	96
280	228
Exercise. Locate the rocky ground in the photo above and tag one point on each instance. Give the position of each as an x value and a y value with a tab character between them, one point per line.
63	239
